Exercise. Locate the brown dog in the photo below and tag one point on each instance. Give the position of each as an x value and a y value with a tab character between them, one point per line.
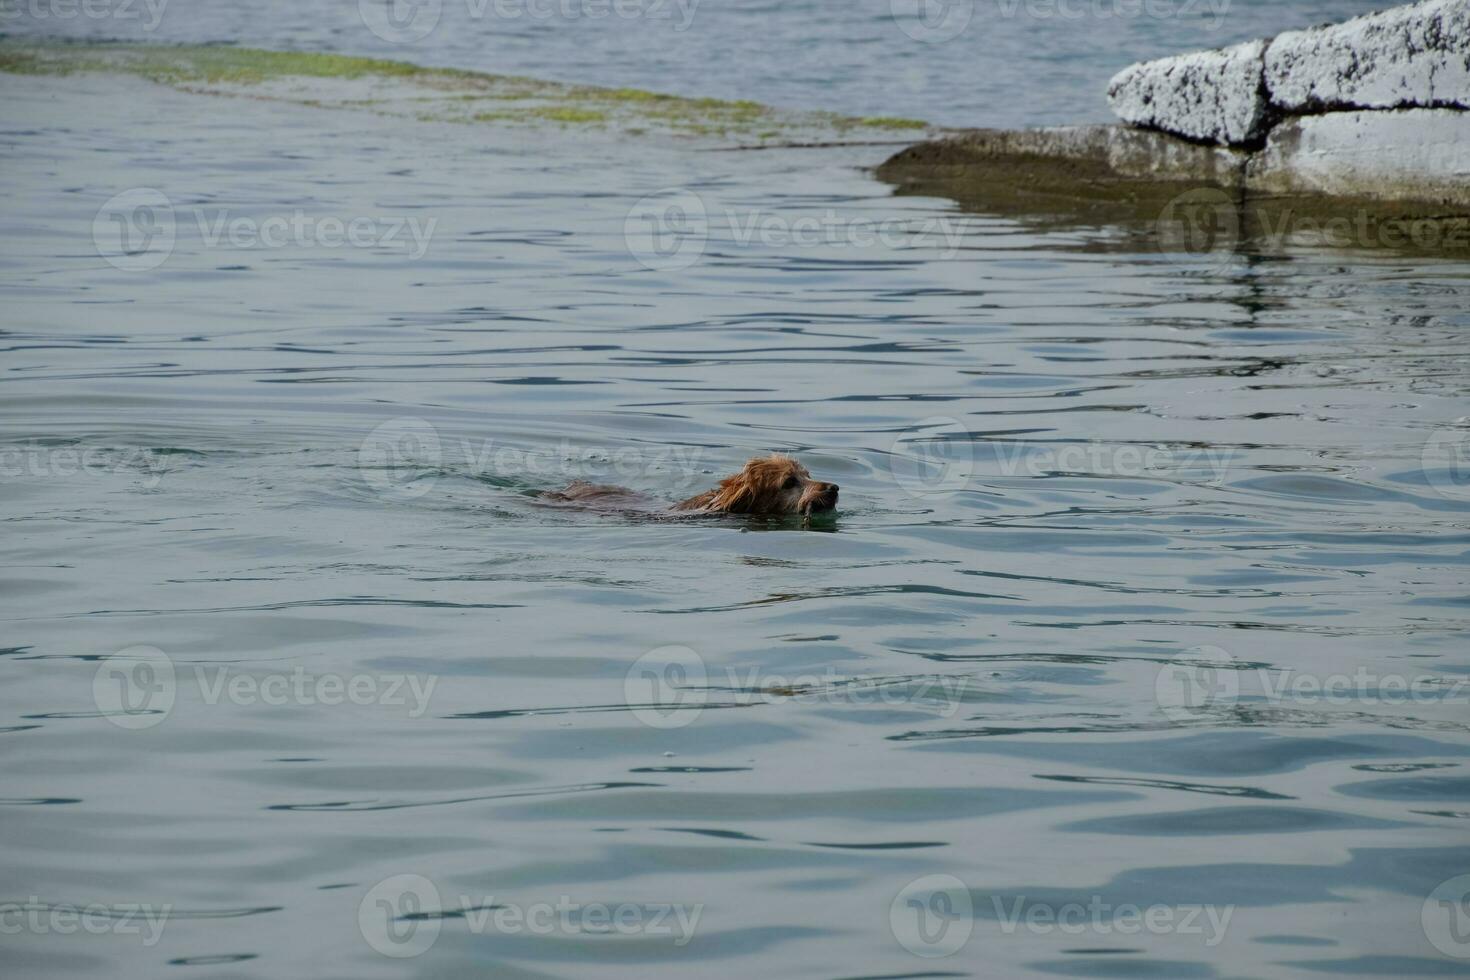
775	484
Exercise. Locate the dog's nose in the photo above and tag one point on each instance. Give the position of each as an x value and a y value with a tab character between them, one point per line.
832	488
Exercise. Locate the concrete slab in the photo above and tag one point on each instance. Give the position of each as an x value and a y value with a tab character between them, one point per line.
1398	155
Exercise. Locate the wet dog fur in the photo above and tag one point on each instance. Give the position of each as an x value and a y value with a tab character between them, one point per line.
770	485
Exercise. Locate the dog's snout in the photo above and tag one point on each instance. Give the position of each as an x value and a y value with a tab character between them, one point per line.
830	489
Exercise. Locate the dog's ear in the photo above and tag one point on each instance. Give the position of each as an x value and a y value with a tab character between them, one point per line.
736	494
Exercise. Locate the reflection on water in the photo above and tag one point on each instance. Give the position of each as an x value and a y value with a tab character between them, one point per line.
1147	590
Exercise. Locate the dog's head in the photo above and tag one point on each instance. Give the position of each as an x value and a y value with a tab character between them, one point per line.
775	484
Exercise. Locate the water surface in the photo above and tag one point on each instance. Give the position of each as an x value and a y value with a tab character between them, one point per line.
1107	518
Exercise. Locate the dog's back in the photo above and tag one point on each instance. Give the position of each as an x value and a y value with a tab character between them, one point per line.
601	495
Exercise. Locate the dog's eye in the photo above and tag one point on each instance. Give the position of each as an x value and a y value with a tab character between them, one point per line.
791	483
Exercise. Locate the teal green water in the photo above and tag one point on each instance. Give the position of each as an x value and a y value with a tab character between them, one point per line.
1136	647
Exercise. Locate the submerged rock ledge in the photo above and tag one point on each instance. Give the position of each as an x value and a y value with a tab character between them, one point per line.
1366	117
457	96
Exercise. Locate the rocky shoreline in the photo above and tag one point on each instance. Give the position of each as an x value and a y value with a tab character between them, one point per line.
1361	121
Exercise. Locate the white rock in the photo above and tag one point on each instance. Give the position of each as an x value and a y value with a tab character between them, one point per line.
1418	55
1405	154
1213	96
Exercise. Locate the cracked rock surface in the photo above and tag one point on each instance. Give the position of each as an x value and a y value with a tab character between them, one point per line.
1210	96
1408	56
1416	56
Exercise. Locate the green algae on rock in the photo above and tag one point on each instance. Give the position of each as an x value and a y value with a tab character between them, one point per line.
396	88
192	63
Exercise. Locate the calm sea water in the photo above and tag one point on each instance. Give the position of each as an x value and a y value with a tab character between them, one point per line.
1137	647
952	62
